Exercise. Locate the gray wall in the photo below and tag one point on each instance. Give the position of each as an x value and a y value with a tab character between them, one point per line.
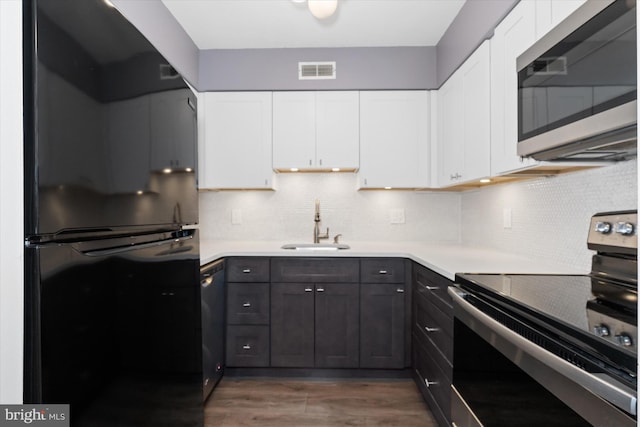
356	68
474	23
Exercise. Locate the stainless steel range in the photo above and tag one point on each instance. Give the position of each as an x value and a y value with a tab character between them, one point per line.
551	350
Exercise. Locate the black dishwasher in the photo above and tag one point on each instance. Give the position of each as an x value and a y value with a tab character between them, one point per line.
212	293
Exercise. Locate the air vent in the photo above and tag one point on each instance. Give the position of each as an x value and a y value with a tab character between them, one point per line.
316	70
548	66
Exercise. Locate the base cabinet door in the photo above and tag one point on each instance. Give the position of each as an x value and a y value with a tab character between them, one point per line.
292	325
382	326
336	325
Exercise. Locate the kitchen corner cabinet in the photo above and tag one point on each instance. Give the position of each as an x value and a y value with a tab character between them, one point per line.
394	139
464	116
316	130
235	141
432	341
315	313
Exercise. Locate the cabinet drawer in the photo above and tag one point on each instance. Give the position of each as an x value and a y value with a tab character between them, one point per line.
315	270
248	270
438	385
248	303
433	286
435	325
247	346
382	270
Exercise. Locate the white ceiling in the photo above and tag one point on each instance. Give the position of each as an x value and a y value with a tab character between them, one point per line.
260	24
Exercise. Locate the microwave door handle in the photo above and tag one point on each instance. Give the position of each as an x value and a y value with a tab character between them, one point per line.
616	394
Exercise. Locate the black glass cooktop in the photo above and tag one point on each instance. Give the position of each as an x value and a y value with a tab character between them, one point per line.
586	312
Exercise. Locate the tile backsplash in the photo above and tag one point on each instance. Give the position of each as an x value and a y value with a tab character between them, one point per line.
549	215
287	214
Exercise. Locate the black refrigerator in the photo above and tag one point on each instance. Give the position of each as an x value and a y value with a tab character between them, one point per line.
112	290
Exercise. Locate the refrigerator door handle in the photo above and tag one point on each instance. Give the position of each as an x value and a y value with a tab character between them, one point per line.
133	247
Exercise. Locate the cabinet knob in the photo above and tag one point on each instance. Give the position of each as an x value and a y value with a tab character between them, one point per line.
428	329
246	304
246	270
432	288
382	272
246	347
206	282
320	289
400	291
308	290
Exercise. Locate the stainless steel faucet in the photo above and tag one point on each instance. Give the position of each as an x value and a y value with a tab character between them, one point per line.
316	229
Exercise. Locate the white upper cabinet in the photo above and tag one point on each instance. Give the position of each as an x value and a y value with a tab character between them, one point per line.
316	130
235	140
394	139
464	134
550	13
512	37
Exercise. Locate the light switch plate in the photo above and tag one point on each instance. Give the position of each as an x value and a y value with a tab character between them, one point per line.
396	216
236	216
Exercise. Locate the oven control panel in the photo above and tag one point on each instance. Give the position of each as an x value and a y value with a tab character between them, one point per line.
614	232
608	325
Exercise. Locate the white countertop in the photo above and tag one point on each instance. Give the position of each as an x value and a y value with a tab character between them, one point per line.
446	259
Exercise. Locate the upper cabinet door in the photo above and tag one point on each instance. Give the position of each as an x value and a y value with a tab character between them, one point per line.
394	139
315	130
464	134
511	38
294	130
550	13
235	141
476	107
337	130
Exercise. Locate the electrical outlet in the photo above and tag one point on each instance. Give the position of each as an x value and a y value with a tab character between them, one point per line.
396	216
236	216
506	218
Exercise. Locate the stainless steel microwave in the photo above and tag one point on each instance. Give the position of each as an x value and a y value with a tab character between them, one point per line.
577	87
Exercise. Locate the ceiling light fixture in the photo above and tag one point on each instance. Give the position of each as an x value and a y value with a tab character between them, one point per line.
321	9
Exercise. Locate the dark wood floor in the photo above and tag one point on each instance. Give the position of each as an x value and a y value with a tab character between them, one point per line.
319	403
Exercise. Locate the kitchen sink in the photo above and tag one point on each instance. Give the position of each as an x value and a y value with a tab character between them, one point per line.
316	246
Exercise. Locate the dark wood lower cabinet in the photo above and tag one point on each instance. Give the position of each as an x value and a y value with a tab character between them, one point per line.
314	325
337	325
292	325
382	325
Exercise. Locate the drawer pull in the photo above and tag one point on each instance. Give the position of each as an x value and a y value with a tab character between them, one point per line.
246	270
383	272
320	289
246	304
430	383
428	329
400	291
246	347
308	290
206	282
432	288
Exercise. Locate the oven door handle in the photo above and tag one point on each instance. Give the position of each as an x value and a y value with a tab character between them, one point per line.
615	393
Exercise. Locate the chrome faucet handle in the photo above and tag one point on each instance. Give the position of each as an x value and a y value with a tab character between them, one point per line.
336	238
